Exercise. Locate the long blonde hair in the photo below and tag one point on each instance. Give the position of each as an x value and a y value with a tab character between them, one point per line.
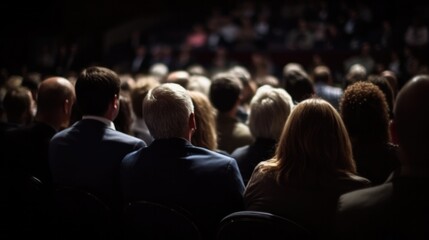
314	145
205	117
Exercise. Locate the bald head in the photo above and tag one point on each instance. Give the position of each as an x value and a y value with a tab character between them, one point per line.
52	93
55	98
412	120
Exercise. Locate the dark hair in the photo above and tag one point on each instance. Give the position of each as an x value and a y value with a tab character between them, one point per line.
383	84
16	102
124	119
364	110
225	90
298	85
95	89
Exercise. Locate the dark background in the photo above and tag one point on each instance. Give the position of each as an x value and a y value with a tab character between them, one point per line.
23	24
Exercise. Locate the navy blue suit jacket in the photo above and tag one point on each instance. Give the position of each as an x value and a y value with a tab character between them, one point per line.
207	184
88	155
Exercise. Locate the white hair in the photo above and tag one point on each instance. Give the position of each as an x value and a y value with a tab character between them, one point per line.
269	110
166	111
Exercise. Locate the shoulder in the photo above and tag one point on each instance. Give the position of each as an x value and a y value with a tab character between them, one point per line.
239	152
131	158
211	159
367	198
125	137
351	182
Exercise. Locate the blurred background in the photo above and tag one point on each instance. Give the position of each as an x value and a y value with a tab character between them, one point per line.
61	37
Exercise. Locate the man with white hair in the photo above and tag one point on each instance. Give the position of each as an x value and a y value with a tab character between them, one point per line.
172	170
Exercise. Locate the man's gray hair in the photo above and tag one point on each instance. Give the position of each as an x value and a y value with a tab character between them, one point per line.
166	111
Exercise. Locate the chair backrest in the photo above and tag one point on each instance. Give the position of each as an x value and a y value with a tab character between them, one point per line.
24	205
259	225
80	214
150	220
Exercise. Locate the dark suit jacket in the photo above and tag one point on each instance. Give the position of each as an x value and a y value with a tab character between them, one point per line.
394	210
88	155
206	183
27	150
249	156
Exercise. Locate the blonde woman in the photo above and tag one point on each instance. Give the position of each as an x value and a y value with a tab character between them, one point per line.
312	166
205	134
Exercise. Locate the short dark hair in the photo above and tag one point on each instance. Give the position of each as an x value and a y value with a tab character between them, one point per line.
16	102
95	88
225	90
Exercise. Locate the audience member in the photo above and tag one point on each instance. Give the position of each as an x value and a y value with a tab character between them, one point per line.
269	109
205	134
397	209
312	167
365	113
364	58
88	154
383	84
27	147
173	171
18	106
356	73
247	92
323	86
199	83
225	95
159	71
393	81
180	77
124	119
297	82
138	93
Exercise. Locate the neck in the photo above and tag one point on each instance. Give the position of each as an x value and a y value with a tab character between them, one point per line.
52	121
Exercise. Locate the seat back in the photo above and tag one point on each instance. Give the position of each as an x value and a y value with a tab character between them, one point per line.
149	220
250	225
24	205
80	214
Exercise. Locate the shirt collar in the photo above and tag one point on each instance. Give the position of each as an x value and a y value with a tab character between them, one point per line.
106	121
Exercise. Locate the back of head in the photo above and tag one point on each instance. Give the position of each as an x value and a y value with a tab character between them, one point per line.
292	67
411	117
52	94
393	81
314	143
95	88
357	72
225	91
298	85
124	119
364	111
199	83
18	104
242	73
248	86
139	92
166	111
383	84
269	109
322	74
179	77
159	71
205	117
196	70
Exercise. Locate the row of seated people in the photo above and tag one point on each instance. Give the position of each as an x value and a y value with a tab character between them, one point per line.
312	165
